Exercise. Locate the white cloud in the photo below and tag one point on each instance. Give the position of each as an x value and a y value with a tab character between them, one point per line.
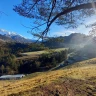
63	33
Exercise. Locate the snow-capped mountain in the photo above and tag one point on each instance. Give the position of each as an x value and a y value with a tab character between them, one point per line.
14	37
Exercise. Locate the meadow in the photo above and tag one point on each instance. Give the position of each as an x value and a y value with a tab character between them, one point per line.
36	54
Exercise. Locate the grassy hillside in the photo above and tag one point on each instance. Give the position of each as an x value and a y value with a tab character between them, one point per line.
73	81
90	62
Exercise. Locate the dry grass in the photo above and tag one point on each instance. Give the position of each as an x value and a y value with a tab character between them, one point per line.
36	54
89	62
44	51
13	87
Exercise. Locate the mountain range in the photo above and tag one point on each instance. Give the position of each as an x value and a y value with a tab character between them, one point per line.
61	41
73	40
7	36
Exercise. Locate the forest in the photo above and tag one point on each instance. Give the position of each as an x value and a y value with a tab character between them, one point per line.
9	64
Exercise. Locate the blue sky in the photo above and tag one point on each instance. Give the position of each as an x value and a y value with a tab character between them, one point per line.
12	22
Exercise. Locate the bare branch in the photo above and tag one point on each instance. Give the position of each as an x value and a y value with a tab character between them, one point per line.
3	13
53	5
78	7
48	11
32	6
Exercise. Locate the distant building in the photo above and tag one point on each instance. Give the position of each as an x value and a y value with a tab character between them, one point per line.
11	77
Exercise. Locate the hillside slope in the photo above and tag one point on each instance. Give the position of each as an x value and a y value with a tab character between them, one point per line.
73	81
85	63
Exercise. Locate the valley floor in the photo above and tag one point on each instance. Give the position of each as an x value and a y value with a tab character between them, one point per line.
78	79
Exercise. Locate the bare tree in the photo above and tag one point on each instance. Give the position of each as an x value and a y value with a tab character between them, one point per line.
69	13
